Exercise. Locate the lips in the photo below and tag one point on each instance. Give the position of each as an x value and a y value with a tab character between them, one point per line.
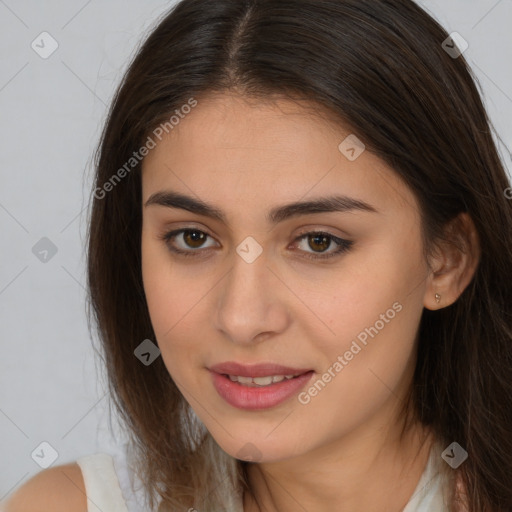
258	386
256	370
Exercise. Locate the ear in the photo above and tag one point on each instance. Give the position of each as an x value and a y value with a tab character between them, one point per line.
454	263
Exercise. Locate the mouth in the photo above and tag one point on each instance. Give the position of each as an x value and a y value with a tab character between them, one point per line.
259	382
258	387
234	369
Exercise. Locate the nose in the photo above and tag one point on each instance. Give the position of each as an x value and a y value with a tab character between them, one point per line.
252	302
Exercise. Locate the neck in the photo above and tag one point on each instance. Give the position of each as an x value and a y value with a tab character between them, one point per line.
373	469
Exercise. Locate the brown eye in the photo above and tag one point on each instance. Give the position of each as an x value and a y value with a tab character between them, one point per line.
319	242
194	238
187	242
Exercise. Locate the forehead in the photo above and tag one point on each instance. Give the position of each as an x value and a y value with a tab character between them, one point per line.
252	152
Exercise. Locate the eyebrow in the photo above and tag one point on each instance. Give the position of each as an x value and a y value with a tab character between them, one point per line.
337	203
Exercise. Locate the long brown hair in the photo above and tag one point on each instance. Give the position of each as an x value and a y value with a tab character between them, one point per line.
380	67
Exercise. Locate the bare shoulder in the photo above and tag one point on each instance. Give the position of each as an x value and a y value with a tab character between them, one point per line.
59	489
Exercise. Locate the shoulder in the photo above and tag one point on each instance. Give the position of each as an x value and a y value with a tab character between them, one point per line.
59	489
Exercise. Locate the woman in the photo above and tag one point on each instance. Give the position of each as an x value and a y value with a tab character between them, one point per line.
300	267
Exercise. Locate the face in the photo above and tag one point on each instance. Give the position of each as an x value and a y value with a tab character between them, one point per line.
334	294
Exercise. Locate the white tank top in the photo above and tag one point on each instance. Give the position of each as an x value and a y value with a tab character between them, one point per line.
111	485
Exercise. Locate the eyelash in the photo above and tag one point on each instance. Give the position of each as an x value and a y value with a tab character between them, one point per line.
343	245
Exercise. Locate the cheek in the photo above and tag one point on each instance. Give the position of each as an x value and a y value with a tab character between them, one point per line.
165	285
375	374
376	303
166	296
176	299
363	296
377	312
364	368
159	296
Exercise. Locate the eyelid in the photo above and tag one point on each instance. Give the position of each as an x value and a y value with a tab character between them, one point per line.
316	229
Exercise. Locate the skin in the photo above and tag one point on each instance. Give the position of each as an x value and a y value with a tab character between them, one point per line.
343	447
59	489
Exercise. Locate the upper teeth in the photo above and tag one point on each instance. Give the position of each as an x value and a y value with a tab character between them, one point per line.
260	381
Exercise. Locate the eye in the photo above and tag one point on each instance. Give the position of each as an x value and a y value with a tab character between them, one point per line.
192	240
320	241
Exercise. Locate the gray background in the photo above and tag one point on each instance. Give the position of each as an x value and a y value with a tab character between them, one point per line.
52	113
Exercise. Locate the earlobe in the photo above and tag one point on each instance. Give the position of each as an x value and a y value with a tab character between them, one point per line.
454	265
434	301
430	304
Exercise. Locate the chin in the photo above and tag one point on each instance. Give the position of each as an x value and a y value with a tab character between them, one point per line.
256	449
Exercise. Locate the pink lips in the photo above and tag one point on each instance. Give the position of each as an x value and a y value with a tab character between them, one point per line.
257	398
